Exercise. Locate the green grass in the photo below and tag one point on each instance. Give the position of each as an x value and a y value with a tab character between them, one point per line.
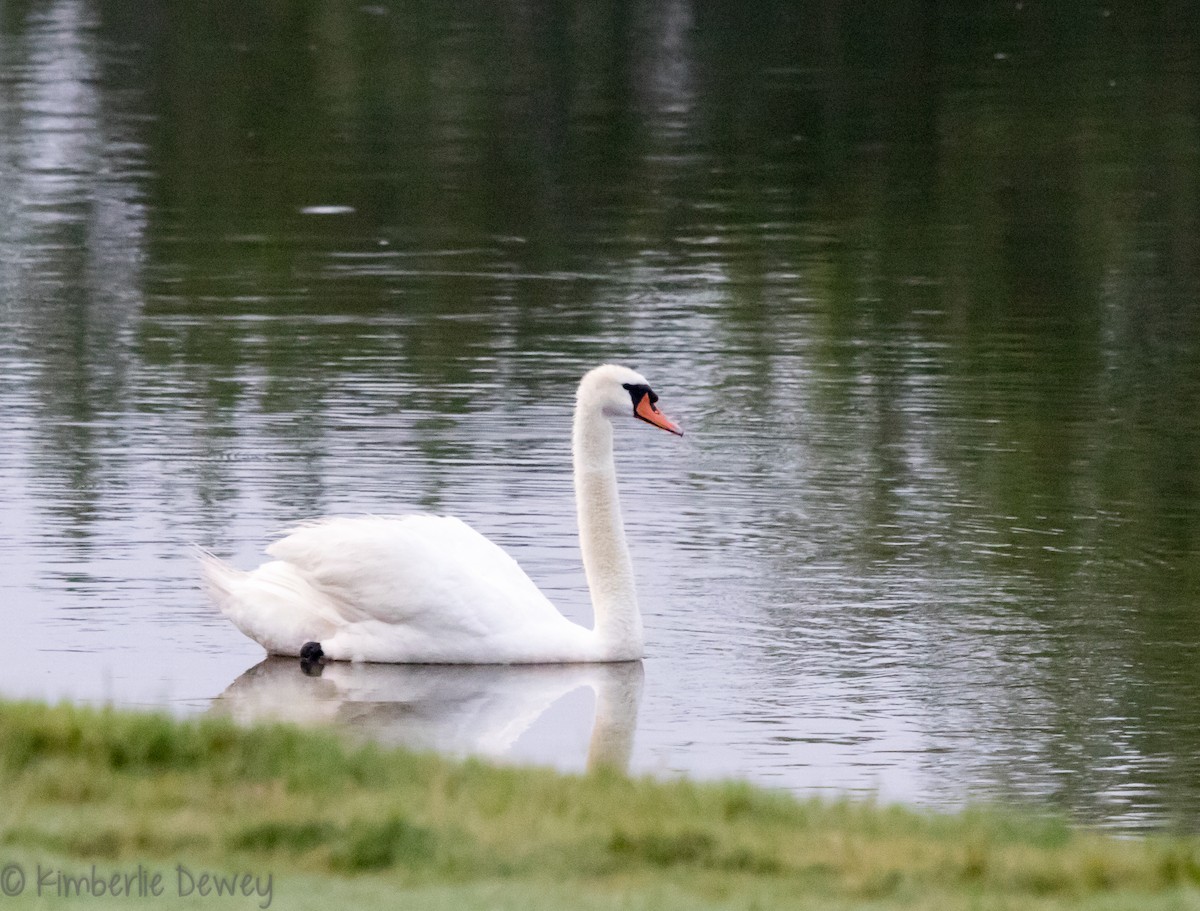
339	825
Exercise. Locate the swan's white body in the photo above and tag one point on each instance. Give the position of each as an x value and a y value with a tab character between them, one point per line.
430	589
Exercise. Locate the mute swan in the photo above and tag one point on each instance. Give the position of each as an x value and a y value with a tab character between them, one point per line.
422	589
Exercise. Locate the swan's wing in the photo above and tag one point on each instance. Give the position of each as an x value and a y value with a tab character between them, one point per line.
433	572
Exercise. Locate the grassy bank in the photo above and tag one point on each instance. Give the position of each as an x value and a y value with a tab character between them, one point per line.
339	825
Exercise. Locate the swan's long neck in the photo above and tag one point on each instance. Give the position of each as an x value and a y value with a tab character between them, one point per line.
606	558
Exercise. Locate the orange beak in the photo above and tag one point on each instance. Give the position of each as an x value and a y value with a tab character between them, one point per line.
647	412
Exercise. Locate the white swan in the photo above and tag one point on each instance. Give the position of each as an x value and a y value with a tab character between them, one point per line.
429	589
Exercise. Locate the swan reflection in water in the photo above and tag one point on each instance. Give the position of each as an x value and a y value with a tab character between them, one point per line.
461	710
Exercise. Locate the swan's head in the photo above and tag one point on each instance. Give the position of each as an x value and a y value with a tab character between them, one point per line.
619	391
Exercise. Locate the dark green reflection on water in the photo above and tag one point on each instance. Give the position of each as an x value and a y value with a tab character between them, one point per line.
927	282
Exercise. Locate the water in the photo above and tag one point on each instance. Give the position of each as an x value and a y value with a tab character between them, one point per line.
921	288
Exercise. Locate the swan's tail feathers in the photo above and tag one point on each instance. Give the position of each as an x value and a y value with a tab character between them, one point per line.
273	605
219	577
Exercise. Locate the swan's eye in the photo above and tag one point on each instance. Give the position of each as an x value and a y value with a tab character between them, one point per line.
644	408
638	391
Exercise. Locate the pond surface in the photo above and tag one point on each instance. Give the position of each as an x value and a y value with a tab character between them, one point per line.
924	291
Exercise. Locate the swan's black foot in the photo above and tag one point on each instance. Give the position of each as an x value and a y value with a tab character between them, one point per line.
312	658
